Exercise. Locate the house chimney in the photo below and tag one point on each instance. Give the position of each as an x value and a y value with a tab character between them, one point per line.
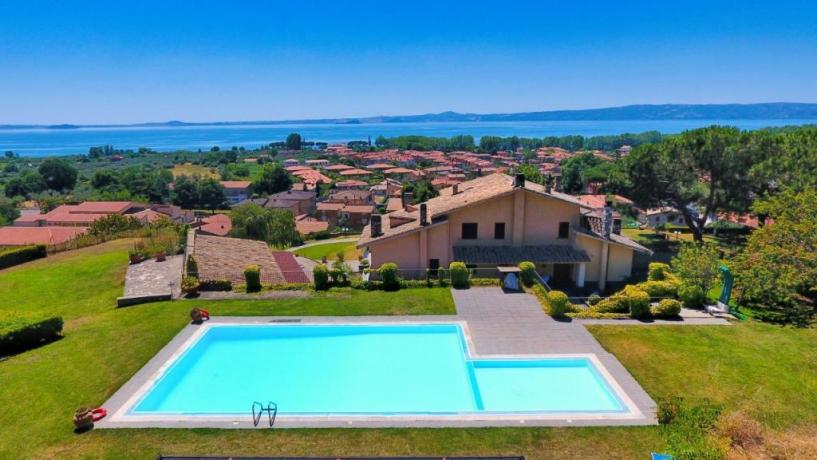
408	197
423	214
376	225
519	181
455	189
607	220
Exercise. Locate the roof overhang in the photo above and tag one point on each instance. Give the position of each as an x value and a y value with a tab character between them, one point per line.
512	255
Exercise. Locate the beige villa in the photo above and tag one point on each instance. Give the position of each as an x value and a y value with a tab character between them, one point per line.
500	220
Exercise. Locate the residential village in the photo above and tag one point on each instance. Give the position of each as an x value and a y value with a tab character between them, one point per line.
533	250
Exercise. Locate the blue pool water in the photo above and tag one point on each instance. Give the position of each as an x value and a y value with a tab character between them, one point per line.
366	369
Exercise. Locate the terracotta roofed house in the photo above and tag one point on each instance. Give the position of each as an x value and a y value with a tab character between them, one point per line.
499	220
23	236
237	190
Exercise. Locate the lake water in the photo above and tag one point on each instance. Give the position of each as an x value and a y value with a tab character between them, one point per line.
50	142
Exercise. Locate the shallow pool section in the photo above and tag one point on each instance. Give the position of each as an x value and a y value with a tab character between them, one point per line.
365	369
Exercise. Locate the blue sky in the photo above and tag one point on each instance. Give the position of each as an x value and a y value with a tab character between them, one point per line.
121	62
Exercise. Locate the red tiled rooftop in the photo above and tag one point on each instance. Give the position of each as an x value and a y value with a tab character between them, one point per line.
217	224
399	171
20	236
338	167
355	172
306	225
380	166
101	207
351	183
148	215
236	184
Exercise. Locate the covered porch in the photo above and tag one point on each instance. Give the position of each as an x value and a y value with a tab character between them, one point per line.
563	264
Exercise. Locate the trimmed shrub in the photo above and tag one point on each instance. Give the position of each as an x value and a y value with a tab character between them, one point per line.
638	302
216	285
659	288
590	313
485	282
15	256
388	273
657	271
460	277
321	275
527	273
252	276
558	305
554	303
630	300
190	285
442	279
593	300
192	267
616	303
666	308
691	296
24	333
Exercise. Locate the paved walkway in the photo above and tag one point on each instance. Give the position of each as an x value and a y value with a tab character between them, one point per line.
151	278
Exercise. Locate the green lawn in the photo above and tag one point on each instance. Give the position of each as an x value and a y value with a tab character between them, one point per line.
329	250
765	370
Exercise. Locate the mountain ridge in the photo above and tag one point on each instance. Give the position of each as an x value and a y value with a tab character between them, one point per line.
767	110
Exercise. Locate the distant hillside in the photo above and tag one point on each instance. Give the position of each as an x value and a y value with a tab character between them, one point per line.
768	111
776	110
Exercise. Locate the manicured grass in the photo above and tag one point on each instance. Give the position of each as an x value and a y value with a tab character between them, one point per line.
766	370
191	170
329	250
339	302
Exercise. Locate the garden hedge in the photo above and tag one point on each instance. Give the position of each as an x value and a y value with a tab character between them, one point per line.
388	274
252	276
215	285
460	277
15	256
19	334
527	273
666	308
321	276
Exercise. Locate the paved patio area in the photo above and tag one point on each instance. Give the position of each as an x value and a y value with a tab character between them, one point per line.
151	278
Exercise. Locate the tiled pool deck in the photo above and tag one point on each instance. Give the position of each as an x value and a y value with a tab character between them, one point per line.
497	324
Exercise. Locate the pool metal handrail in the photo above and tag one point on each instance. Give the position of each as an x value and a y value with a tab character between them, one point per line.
271	410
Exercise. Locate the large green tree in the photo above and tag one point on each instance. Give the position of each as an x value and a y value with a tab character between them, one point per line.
8	211
777	269
212	194
421	190
25	185
58	174
273	179
294	141
789	159
275	226
706	169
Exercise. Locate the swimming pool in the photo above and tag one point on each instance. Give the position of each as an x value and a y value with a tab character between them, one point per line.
366	370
